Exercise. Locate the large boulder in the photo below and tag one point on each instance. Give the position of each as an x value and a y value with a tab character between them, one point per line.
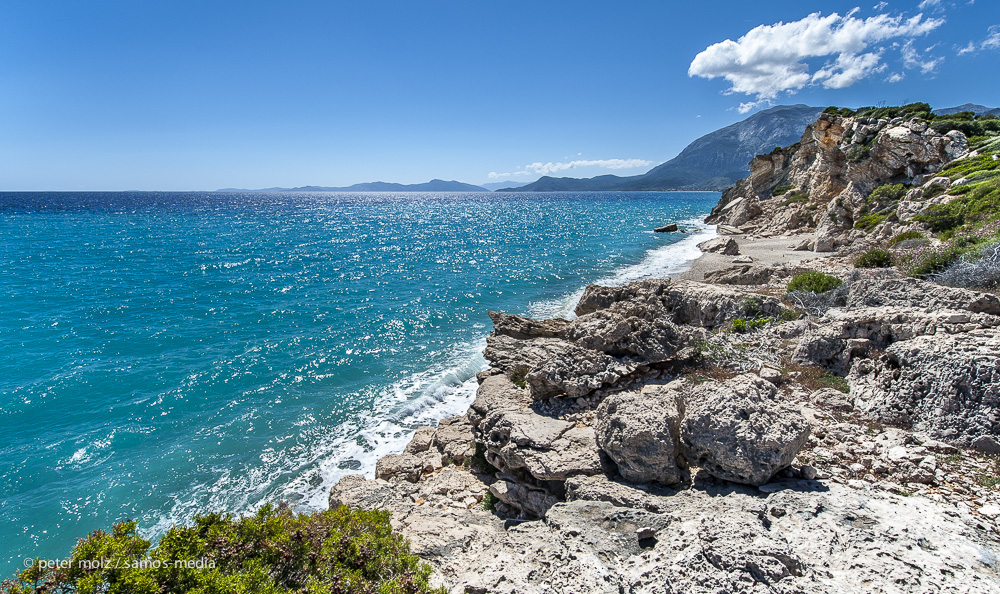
576	372
524	328
496	393
640	432
740	430
726	246
947	385
548	449
633	330
408	466
454	439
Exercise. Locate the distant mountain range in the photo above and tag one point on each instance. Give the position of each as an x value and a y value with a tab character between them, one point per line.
504	185
435	185
976	109
713	162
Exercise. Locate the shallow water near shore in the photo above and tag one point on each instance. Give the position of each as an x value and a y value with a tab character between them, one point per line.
163	355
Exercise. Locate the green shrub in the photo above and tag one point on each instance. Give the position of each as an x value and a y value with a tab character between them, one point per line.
942	217
887	193
750	306
839	111
789	315
921	111
490	501
796	197
781	189
904	236
742	326
814	282
928	261
933	190
830	380
869	222
873	258
273	551
518	374
964	167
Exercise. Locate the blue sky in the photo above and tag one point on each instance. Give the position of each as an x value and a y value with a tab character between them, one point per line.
178	95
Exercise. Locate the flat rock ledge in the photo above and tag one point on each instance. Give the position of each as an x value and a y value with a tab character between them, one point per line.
646	446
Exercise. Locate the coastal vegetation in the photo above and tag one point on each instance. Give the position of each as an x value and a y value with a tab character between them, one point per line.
873	258
813	282
274	551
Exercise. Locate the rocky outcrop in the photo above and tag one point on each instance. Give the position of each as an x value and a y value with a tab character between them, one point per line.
682	302
806	537
740	431
942	384
912	292
640	432
752	274
822	183
645	447
548	449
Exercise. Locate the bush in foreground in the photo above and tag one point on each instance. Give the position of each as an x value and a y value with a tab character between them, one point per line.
873	258
813	282
274	551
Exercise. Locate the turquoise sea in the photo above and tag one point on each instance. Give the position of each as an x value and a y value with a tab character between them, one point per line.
164	354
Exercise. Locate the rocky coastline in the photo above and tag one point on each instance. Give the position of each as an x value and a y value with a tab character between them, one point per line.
715	433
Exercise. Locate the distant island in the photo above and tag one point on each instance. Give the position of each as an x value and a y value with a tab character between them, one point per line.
504	185
435	185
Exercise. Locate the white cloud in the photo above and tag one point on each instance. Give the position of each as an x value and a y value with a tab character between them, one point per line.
880	6
967	49
848	69
913	60
771	59
539	168
992	40
895	77
927	4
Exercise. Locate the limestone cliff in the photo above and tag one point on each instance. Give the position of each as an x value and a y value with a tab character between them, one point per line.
822	183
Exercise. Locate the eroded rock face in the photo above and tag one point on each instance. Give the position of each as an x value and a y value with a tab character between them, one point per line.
947	385
682	302
548	449
640	432
838	163
740	430
912	292
620	331
630	330
797	540
523	328
576	372
844	334
496	393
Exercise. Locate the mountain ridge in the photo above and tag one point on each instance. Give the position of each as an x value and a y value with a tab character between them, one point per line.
435	185
714	161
